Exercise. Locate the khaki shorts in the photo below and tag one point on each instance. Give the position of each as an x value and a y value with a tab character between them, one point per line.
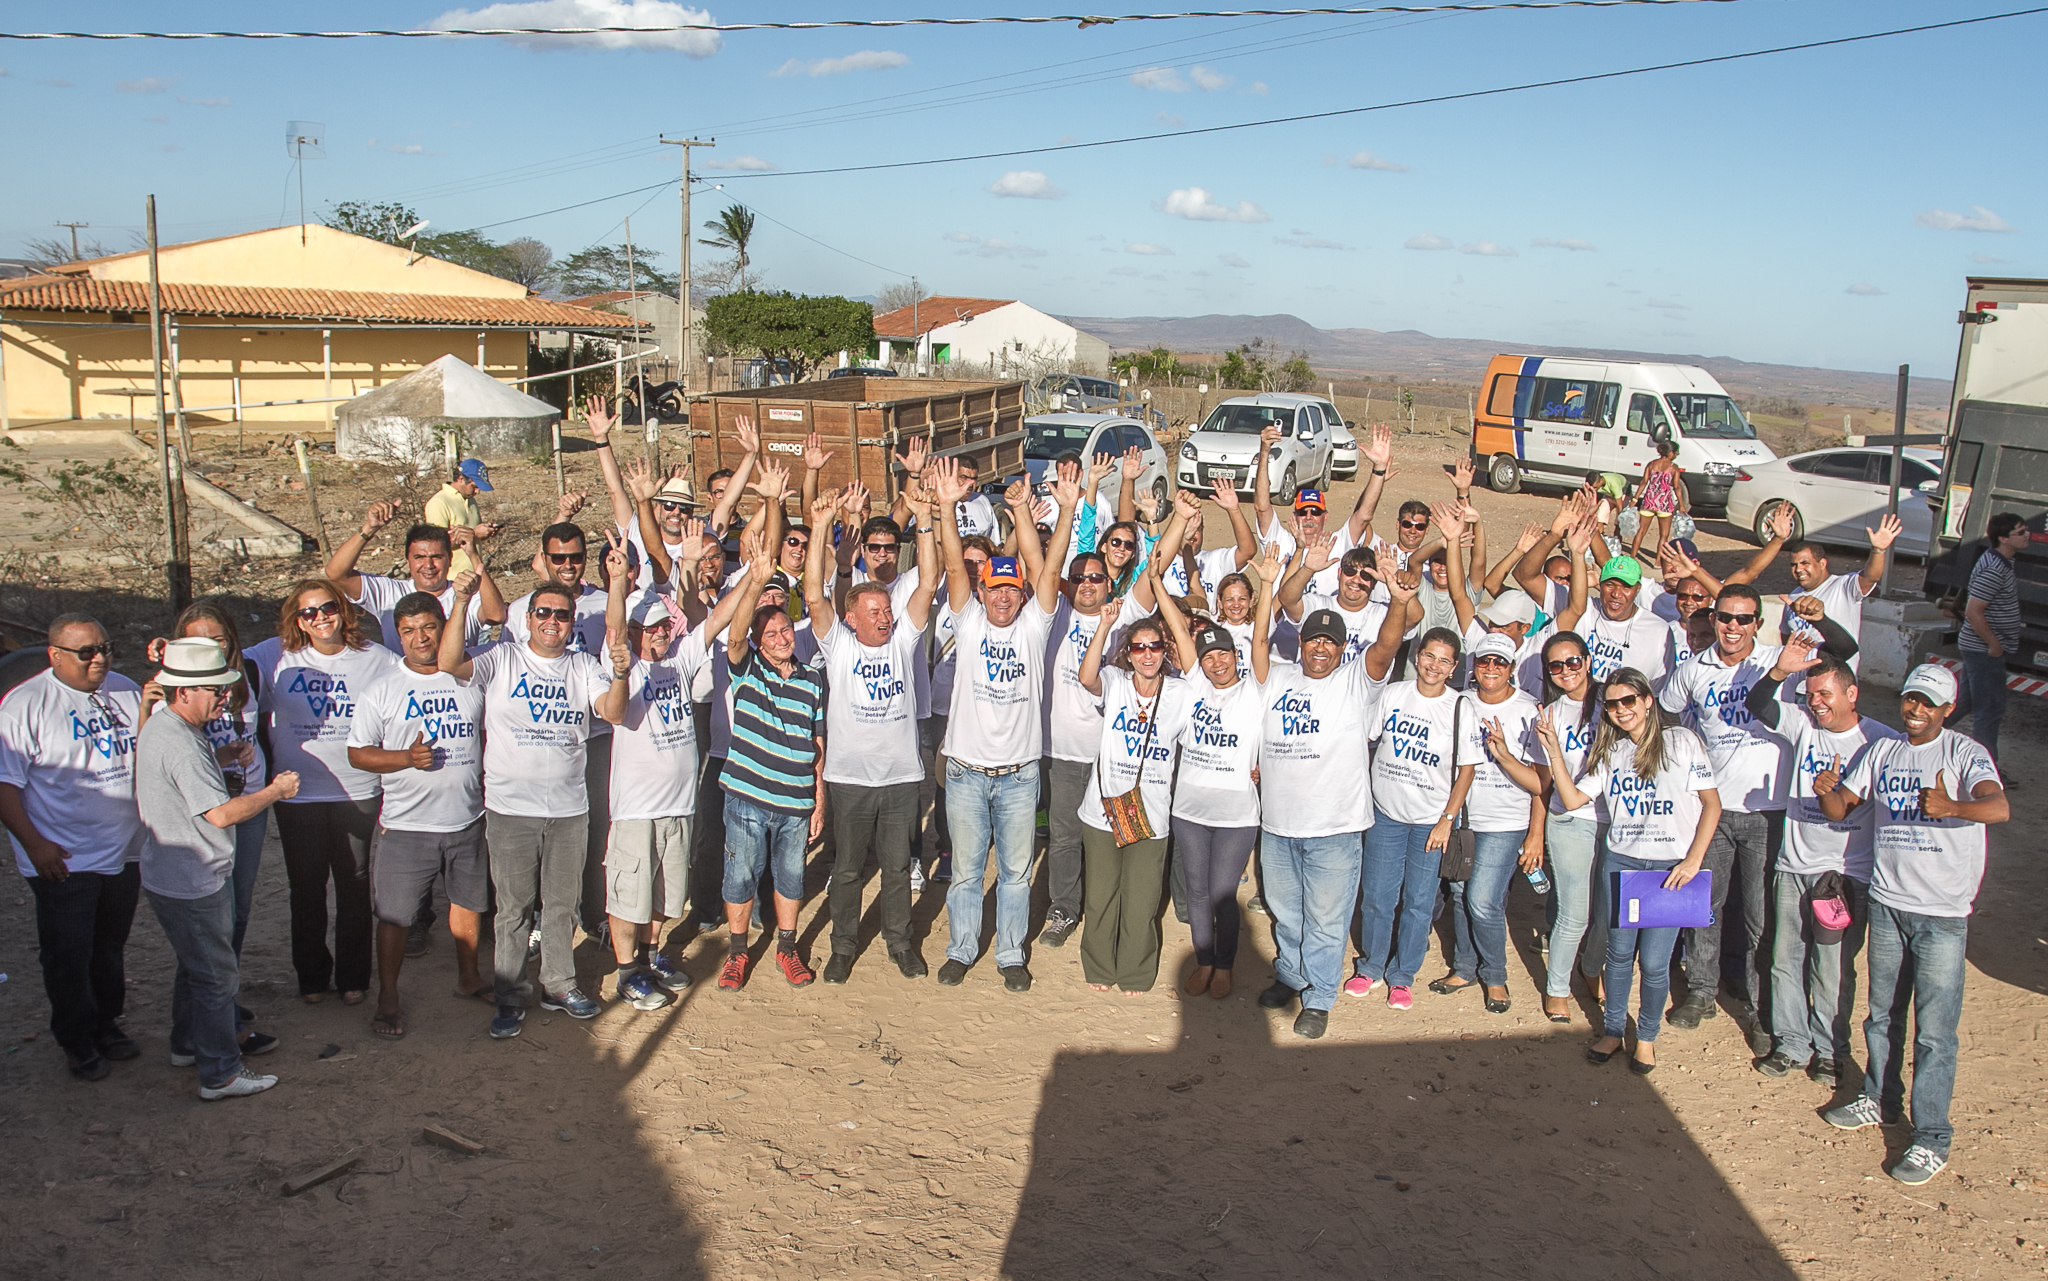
647	867
403	864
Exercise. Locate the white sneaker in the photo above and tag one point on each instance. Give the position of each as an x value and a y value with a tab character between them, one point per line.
916	876
183	1060
243	1082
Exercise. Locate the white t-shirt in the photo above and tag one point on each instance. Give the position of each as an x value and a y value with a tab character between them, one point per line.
536	718
1241	636
1325	579
631	533
1361	626
1575	740
1411	769
1073	716
377	594
1841	597
935	697
975	515
310	698
871	707
997	718
1312	750
1495	802
1813	844
1681	645
1119	765
1657	819
585	637
398	707
654	746
1219	748
1749	758
75	767
1643	642
1928	866
1211	568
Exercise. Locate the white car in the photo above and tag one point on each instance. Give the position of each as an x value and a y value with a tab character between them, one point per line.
1226	446
1050	437
1838	494
1343	449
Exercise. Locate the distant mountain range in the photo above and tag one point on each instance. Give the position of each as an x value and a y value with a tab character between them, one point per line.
1413	353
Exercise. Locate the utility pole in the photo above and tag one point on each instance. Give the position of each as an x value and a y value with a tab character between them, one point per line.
178	567
74	236
683	280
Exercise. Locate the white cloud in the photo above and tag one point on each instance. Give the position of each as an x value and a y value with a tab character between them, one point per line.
1169	120
1564	242
739	164
594	13
1124	271
990	246
148	84
1367	160
1986	260
408	149
1864	291
1231	260
202	102
1164	78
1426	241
865	60
1026	184
1302	240
1981	219
1210	81
1258	86
1140	247
1488	249
1194	203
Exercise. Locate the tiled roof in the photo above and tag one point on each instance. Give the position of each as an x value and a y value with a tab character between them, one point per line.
942	309
50	293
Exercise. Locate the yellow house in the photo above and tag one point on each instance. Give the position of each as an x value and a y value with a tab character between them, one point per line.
288	314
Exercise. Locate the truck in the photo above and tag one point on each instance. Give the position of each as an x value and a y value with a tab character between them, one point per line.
1995	447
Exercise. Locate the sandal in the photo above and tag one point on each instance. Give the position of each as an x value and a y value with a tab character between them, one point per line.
389	1026
1444	986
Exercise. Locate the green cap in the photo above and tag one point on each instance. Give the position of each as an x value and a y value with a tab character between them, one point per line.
1625	568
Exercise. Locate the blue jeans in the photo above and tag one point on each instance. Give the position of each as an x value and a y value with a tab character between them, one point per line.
1399	871
1982	699
202	935
1479	909
1934	988
1808	979
1311	887
984	810
757	839
1570	850
248	862
1625	948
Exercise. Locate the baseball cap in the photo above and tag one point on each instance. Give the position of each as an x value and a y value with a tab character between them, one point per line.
473	469
1830	906
1003	571
779	582
1510	607
1210	638
647	608
1496	645
1623	569
1933	682
1688	546
1326	624
1305	499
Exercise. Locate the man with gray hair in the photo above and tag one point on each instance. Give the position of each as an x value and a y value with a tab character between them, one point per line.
67	799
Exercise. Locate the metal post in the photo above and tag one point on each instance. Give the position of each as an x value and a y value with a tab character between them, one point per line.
480	349
561	485
327	374
312	496
178	567
1891	506
177	385
684	336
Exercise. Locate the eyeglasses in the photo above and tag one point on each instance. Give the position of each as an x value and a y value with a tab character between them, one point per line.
1148	647
86	653
876	549
1623	700
325	609
1124	543
1740	620
566	558
1415	524
106	709
1701	597
1572	664
975	564
544	613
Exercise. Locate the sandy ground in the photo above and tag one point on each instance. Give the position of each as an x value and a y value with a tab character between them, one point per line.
891	1128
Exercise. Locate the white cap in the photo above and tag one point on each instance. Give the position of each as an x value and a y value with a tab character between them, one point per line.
1496	644
1510	607
647	608
1932	681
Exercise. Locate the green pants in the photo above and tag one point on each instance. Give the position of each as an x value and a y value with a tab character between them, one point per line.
1122	888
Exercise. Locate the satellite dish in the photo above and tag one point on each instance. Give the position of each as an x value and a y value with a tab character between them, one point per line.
415	229
305	140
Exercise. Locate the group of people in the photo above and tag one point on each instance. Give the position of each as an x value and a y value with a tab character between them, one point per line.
1381	730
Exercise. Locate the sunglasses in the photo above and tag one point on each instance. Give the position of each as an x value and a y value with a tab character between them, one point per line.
796	540
1124	543
1740	620
1491	660
876	549
1623	700
1572	664
672	506
975	564
566	558
86	653
1415	524
1354	571
327	609
106	709
546	612
1091	578
1149	647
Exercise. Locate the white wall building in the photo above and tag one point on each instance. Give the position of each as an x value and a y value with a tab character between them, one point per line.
947	330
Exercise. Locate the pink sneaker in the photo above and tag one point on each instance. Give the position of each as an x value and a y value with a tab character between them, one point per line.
1359	985
1399	998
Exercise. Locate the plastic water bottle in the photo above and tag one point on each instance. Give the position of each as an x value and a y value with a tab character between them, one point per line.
1539	880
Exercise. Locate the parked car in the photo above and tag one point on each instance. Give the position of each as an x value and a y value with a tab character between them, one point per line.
1076	392
863	371
1226	445
1343	448
1048	437
1837	494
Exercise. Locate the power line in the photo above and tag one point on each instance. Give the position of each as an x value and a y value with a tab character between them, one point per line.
1082	20
581	204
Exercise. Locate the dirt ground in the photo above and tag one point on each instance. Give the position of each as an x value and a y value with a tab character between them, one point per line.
891	1128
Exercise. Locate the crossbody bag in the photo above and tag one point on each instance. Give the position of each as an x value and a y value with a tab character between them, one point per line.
1459	851
1126	810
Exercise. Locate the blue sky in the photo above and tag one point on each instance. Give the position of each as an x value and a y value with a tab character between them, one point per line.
1810	208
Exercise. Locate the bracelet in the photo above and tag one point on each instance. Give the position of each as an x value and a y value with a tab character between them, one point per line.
1379	471
605	443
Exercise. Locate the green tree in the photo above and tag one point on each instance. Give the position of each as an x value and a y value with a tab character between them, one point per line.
1296	374
602	268
732	230
802	330
1242	369
377	221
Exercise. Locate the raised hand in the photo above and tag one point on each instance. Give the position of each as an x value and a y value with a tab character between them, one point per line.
824	505
378	517
1828	779
1546	734
461	538
1781	522
1797	656
913	455
1068	469
1017	496
1566	515
1496	737
694	546
1099	468
1886	533
615	563
1403	587
639	479
1188	505
1380	449
743	432
1579	538
1132	463
1110	610
1461	474
1066	491
1225	493
1320	551
420	753
771	482
947	484
856	500
622	658
1269	434
1808	607
815	454
599	418
754	550
1935	802
1450	520
465	583
1267	562
1532	534
569	504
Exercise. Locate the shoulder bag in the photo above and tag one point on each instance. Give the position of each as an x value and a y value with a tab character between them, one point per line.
1459	852
1126	810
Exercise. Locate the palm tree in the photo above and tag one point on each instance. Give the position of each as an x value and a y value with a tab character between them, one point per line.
731	230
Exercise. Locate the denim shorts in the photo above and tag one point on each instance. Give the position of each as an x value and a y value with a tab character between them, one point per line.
757	839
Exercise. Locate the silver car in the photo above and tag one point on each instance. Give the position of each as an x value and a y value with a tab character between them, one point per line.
1836	495
1051	436
1226	445
1343	448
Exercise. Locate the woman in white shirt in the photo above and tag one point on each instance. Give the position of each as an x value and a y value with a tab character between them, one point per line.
1661	809
1143	709
1577	910
1234	602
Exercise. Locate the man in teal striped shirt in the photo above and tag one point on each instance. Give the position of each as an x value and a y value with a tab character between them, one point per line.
774	795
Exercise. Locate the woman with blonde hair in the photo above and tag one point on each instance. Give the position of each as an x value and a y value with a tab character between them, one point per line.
310	675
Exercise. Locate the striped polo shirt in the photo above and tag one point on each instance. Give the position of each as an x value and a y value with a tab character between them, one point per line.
1994	582
776	721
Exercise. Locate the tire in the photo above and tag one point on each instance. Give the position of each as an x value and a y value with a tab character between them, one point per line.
1504	475
1288	485
1329	473
1765	514
1159	498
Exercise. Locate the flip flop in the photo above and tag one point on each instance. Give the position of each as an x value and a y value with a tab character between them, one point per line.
389	1026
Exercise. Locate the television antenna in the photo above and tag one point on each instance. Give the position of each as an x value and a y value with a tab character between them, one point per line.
304	140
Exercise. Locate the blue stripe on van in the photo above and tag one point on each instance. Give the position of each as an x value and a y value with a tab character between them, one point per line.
1529	364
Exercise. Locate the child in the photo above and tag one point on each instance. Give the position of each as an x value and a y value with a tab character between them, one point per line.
1660	497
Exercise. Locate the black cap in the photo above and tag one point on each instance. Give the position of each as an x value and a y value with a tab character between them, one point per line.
1326	624
1209	638
779	582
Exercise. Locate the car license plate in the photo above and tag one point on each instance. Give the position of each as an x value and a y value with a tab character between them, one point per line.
1225	473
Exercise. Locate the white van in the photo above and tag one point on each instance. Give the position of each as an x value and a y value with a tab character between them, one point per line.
1549	420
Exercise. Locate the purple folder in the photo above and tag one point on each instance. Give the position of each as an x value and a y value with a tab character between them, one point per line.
1642	903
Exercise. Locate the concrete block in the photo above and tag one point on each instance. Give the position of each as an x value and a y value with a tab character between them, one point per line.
1895	636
